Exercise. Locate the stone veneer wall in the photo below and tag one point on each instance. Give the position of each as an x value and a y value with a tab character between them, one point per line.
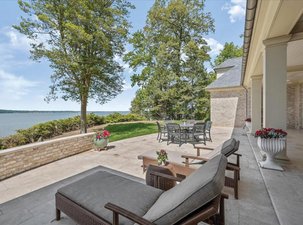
228	107
295	105
19	159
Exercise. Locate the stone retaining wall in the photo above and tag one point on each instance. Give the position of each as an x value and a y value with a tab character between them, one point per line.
19	159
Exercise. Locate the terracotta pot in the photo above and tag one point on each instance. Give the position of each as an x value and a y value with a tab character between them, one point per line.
271	147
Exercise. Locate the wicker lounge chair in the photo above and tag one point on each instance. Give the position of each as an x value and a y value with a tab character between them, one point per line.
228	148
104	198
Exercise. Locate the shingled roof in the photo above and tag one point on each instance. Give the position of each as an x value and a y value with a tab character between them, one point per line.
231	78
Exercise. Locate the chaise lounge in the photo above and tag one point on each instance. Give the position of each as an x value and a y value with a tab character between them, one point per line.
101	197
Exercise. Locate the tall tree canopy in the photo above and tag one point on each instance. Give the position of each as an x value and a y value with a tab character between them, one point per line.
80	39
230	50
168	55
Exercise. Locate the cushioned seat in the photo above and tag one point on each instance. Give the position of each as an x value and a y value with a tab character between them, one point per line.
183	202
196	190
228	147
94	191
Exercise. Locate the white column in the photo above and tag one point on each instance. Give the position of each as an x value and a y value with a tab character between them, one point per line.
256	102
275	84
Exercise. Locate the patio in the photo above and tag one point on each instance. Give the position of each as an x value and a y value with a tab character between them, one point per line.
265	197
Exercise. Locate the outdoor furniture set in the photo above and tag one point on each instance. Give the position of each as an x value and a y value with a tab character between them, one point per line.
105	198
183	165
189	132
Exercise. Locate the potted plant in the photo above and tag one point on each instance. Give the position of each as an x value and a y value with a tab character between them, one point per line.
162	157
248	124
101	139
271	141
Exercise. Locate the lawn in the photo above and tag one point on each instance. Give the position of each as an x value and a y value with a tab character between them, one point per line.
129	130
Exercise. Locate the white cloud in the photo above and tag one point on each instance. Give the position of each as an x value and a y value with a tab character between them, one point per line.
215	46
16	40
235	9
14	87
126	86
125	65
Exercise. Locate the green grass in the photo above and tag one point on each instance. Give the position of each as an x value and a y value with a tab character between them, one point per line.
129	130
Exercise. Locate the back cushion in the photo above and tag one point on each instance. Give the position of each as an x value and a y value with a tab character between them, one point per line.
195	191
228	146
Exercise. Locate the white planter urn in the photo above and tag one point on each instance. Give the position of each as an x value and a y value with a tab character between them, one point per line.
248	125
271	147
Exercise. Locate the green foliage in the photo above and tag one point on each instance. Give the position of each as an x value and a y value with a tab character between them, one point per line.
117	117
168	59
123	131
54	128
81	39
230	50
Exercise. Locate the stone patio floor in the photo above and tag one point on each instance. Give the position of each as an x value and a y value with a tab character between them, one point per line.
265	197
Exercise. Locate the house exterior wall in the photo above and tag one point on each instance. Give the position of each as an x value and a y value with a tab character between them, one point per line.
249	103
295	105
228	107
290	106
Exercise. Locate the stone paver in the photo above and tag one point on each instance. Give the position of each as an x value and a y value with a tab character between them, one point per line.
37	207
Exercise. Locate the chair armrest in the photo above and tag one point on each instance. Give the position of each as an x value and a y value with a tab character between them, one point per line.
166	176
225	196
206	148
234	153
232	167
187	157
202	148
117	210
194	157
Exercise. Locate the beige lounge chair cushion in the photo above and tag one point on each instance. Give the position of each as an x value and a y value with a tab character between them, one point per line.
195	191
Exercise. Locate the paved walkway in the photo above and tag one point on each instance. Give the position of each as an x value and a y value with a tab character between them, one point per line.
253	207
286	188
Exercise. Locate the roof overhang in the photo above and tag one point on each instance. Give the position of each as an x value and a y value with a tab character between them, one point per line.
267	20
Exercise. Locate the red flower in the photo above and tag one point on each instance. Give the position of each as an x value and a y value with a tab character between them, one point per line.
106	133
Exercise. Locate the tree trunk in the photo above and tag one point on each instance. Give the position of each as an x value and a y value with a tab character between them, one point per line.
83	126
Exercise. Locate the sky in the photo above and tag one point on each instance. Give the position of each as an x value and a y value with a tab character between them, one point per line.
25	83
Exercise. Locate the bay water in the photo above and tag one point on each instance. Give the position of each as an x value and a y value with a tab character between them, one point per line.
10	122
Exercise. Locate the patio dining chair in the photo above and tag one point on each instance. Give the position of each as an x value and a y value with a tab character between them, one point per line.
198	134
162	132
110	198
207	130
175	134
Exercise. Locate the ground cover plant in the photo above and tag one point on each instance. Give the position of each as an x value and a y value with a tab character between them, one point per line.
128	130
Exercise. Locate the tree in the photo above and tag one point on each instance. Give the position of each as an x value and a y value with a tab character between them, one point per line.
230	50
168	56
80	39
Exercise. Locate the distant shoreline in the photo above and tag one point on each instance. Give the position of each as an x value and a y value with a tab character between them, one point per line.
12	120
55	111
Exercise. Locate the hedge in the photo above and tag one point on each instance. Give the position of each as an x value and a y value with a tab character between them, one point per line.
55	128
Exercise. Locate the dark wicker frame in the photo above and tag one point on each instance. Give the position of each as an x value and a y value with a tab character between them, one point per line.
212	211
